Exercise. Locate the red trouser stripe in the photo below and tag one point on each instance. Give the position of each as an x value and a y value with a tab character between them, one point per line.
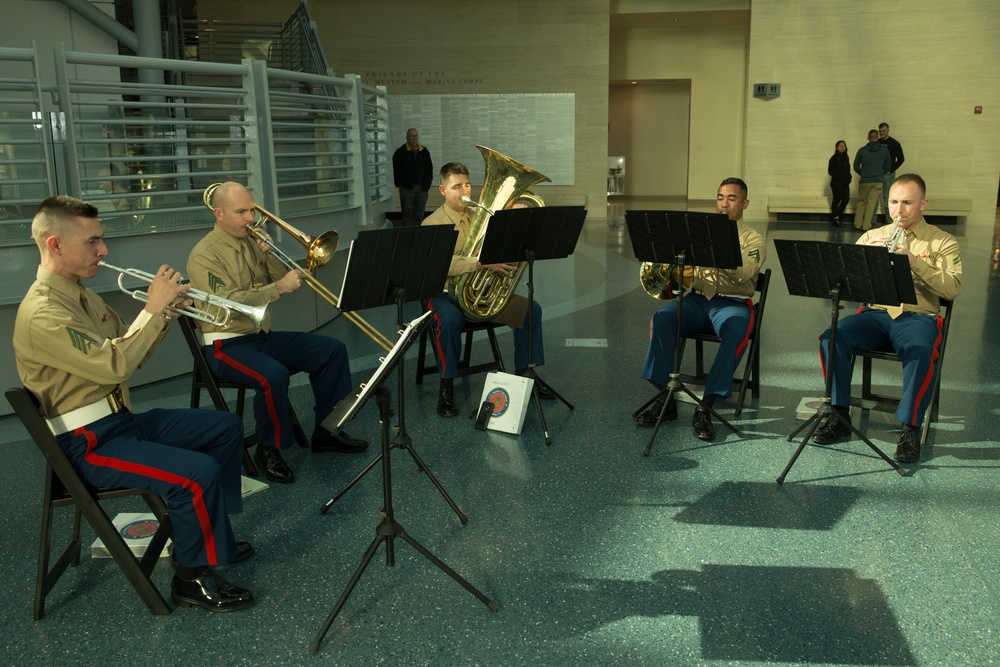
272	410
746	338
437	338
925	385
197	497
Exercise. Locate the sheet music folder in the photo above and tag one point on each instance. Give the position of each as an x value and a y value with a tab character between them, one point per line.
862	273
705	239
551	232
382	260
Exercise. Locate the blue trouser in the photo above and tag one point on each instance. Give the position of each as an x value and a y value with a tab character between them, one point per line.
266	361
729	318
449	322
191	458
914	338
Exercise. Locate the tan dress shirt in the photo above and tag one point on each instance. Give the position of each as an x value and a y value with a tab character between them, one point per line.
238	270
937	273
72	350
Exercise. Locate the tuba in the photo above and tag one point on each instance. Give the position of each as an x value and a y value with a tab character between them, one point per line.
483	294
662	281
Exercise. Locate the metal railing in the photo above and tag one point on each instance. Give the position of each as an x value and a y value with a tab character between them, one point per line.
144	153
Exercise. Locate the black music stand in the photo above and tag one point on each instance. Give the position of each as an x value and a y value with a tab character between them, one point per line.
527	235
684	238
388	529
836	271
394	266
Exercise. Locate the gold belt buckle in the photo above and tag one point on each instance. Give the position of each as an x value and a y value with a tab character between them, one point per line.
116	399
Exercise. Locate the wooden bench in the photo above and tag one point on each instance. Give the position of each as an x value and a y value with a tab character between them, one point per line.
812	204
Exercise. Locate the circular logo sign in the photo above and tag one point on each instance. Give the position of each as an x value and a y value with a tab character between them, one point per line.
500	400
137	530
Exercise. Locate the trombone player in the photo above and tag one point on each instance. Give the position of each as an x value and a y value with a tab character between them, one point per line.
75	355
231	263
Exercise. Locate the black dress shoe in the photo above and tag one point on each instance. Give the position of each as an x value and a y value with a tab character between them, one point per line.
908	449
649	416
702	425
446	403
274	466
830	431
324	441
210	591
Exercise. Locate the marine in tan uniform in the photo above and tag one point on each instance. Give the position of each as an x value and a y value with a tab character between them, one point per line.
231	263
912	331
75	354
721	303
448	320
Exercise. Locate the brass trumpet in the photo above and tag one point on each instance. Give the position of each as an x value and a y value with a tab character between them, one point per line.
225	306
319	251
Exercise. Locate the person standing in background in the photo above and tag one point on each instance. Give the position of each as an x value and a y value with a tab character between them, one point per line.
412	171
871	163
839	169
896	161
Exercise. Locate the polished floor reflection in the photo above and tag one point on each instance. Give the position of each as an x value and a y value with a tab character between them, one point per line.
595	554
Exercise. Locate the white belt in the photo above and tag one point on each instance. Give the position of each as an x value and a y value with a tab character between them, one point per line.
74	419
209	338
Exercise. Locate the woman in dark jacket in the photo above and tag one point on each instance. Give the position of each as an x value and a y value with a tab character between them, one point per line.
840	181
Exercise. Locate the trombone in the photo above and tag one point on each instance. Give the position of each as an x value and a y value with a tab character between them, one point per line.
226	307
319	251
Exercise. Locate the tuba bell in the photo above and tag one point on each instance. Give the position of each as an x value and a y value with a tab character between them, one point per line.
662	281
483	294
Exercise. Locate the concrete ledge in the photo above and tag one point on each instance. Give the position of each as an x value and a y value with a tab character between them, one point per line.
953	206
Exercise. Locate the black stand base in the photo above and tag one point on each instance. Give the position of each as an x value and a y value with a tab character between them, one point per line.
813	423
669	392
388	530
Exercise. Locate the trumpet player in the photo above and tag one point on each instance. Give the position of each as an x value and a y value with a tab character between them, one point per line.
720	303
911	331
232	263
75	354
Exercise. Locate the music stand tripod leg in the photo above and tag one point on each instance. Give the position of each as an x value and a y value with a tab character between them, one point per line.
827	407
388	529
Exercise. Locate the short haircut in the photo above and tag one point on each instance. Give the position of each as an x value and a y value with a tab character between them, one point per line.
736	181
885	125
453	169
56	214
913	178
872	135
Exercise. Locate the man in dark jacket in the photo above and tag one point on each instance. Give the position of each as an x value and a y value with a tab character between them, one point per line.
412	171
871	163
896	161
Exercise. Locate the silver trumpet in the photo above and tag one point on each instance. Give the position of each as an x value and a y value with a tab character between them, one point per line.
225	307
897	234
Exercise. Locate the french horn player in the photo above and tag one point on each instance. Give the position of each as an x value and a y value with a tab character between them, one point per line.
506	182
236	261
720	302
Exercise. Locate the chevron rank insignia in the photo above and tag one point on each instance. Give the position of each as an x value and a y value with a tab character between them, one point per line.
215	282
80	340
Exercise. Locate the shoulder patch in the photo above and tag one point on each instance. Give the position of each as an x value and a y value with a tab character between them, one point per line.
80	340
215	282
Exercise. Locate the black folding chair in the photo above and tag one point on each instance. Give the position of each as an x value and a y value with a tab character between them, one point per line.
64	487
465	366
